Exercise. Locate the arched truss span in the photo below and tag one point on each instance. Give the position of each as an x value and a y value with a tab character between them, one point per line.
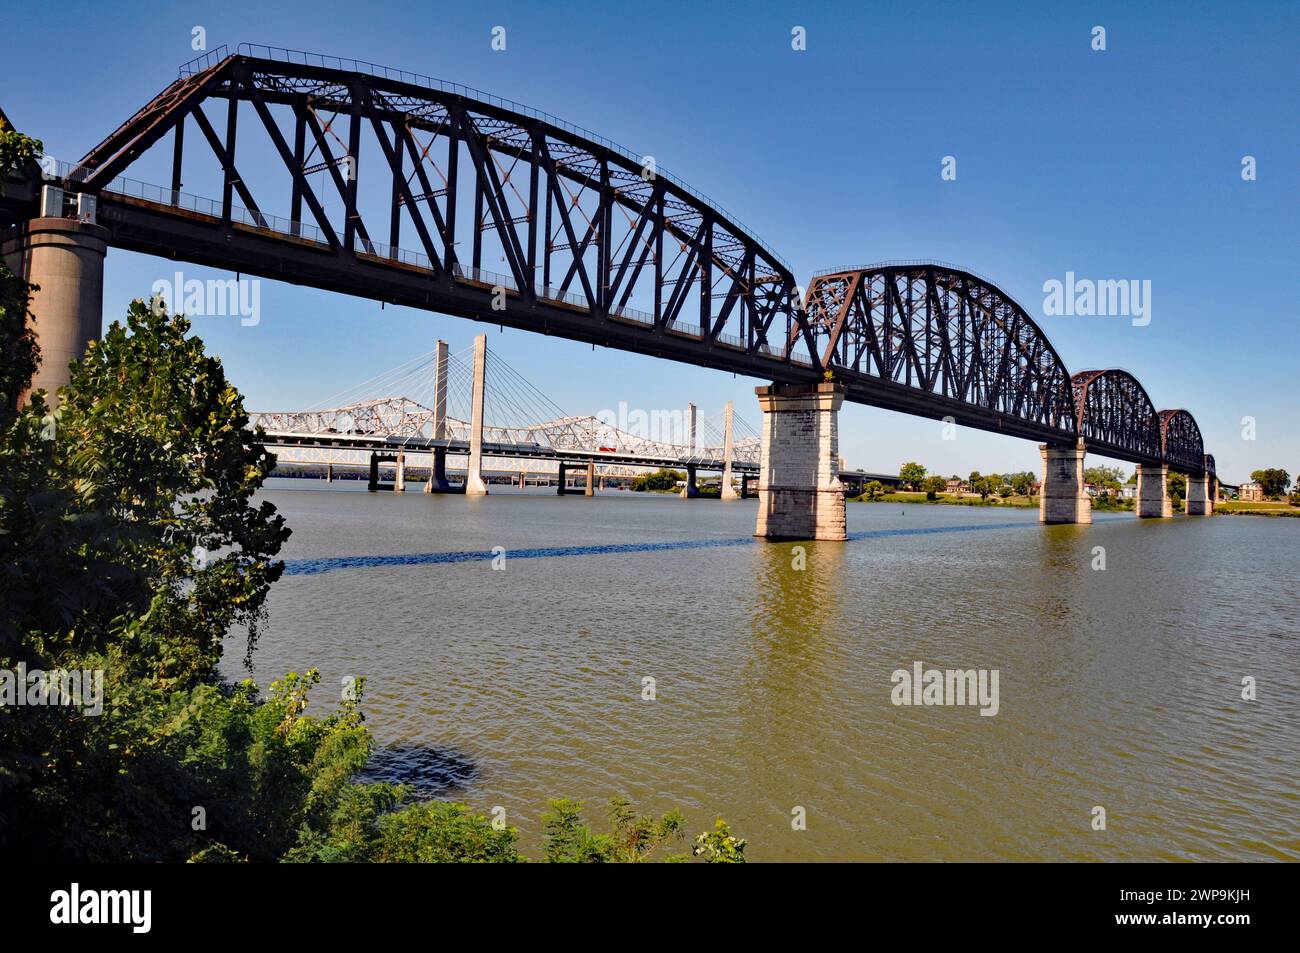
406	189
948	334
1180	439
1116	416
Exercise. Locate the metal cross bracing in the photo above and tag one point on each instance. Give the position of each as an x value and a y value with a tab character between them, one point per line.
427	194
396	410
410	190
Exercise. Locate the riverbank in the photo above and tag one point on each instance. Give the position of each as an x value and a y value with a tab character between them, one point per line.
1239	508
1022	502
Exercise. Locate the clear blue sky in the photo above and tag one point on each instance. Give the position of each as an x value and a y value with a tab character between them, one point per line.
1117	164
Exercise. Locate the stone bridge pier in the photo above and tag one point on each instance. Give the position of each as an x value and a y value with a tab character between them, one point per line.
1062	497
1153	492
1200	501
799	491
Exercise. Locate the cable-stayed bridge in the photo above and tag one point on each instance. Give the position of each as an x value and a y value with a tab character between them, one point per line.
415	414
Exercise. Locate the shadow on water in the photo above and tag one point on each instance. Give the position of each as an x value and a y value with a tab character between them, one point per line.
430	772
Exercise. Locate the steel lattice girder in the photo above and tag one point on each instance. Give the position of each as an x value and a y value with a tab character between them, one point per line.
1116	416
955	338
1181	442
581	226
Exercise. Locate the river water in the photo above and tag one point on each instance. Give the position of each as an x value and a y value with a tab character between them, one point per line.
1118	688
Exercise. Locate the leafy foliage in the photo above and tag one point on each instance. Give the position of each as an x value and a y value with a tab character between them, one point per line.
19	355
1272	480
137	493
130	543
911	474
661	479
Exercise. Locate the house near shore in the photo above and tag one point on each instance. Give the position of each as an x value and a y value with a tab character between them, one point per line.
1251	492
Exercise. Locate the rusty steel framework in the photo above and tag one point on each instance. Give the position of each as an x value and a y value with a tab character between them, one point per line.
586	240
1116	416
968	348
408	190
1181	444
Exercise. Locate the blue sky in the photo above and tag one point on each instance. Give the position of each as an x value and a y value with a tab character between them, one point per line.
1123	164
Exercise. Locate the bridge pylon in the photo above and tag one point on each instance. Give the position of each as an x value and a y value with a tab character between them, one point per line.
438	482
728	491
474	482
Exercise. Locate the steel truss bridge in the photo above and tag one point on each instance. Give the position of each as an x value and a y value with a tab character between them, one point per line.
409	190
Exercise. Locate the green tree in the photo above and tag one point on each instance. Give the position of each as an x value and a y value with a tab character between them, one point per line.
932	486
1273	481
985	485
1023	482
19	355
1107	478
911	474
873	489
661	479
720	846
139	490
1177	487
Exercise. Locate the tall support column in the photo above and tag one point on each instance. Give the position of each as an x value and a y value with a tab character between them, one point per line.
1153	493
474	484
559	489
591	479
728	491
399	481
438	482
1199	500
690	491
329	473
1063	498
373	485
690	430
65	257
799	491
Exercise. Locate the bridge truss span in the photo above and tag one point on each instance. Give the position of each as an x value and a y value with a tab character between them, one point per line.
941	341
1116	416
1181	443
417	192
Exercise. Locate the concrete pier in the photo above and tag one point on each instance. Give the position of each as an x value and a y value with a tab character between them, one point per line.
1200	502
1153	493
65	257
799	492
399	481
691	490
1062	498
591	479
